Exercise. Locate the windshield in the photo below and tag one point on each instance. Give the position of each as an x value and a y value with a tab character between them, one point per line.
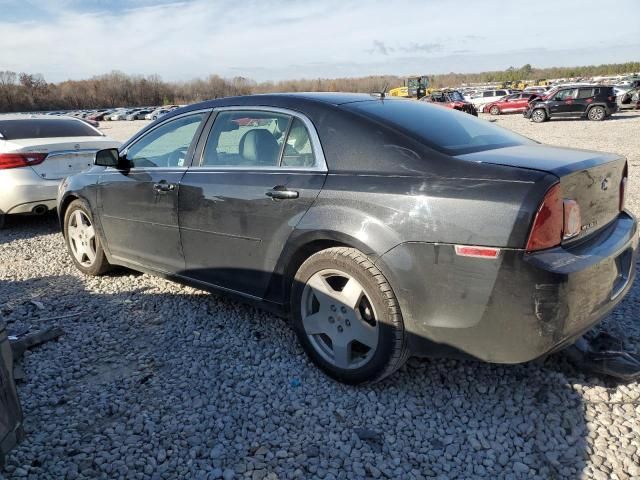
450	132
456	96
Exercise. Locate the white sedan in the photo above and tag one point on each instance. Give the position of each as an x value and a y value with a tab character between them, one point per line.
36	153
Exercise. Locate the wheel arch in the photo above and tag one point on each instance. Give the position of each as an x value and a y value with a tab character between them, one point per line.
62	208
299	248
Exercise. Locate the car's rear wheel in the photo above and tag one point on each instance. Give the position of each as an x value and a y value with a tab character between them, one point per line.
539	115
347	317
494	110
83	241
597	113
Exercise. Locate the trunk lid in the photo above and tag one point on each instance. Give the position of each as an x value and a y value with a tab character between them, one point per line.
593	179
65	156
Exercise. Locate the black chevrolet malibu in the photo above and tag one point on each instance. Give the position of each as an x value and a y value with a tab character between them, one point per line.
381	228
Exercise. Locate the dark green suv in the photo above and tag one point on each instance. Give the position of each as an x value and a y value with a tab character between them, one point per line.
595	102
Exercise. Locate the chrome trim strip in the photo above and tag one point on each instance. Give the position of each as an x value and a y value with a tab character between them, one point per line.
58	153
157	224
220	234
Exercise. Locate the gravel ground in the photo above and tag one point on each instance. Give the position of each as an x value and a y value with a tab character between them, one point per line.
155	380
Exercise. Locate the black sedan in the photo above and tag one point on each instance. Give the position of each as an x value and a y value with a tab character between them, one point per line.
381	228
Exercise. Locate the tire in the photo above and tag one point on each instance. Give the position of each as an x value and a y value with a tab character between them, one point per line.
539	115
2	220
495	110
83	243
369	306
597	113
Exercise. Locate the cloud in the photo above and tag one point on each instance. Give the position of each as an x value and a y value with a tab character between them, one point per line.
381	48
422	48
277	39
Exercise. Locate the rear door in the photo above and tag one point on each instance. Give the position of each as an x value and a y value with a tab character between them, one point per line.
254	176
584	98
139	206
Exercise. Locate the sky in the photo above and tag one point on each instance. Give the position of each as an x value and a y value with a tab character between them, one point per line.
288	39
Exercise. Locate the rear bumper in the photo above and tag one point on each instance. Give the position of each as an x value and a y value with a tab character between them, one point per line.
22	189
515	308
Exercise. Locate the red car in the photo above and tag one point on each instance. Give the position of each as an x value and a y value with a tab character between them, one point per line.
451	99
514	103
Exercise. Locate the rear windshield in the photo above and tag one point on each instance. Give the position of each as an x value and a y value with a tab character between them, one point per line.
444	130
44	128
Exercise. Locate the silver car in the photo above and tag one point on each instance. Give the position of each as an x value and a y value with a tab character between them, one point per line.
36	152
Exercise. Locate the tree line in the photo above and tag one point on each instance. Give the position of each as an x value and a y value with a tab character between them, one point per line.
21	92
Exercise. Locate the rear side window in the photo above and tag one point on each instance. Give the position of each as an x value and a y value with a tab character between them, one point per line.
453	133
585	93
501	93
45	128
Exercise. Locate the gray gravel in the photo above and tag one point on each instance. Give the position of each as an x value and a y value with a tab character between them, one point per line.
155	380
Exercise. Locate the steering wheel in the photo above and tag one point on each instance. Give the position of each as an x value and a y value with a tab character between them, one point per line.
174	158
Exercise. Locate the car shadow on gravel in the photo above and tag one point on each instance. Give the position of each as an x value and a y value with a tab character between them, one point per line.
184	383
18	227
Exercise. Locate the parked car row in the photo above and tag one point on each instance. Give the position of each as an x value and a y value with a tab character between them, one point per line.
103	114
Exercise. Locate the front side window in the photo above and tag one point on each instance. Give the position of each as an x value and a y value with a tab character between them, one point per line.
501	93
488	94
566	94
257	139
167	145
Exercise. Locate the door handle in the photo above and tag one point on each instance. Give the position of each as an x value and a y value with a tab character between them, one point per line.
281	193
163	186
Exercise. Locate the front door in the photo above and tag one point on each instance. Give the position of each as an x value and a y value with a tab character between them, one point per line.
254	177
562	103
139	205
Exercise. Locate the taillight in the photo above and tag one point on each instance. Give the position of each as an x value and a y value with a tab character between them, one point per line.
557	219
623	185
546	231
15	160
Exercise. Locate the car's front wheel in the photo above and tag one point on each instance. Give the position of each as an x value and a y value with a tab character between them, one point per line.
494	110
539	115
347	317
83	241
597	113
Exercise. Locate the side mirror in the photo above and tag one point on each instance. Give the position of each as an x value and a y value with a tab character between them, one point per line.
109	157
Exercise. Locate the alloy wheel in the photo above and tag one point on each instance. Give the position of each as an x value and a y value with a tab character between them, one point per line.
538	115
596	113
494	111
82	238
339	319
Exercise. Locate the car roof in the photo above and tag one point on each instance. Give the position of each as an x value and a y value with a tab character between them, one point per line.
328	98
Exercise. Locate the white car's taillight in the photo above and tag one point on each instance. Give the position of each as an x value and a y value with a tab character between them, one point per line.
16	160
